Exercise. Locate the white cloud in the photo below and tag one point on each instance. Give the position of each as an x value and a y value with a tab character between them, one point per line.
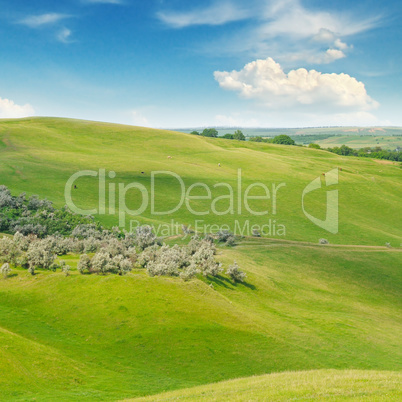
36	21
279	27
8	109
216	14
64	35
266	82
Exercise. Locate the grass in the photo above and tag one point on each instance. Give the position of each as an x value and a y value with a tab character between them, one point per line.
362	141
40	154
334	385
303	306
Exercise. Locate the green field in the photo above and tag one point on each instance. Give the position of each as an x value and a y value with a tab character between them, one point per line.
303	306
39	155
351	385
362	141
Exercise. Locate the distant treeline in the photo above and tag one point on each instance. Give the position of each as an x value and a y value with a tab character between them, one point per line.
375	152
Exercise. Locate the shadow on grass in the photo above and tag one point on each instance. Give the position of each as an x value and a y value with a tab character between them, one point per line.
228	284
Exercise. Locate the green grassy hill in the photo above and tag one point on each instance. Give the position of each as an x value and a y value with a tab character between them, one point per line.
351	385
303	307
39	155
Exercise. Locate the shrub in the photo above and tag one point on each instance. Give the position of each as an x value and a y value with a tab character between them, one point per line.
204	259
235	273
5	270
150	254
230	241
9	251
145	237
40	254
66	270
189	273
223	235
84	263
168	261
256	233
101	262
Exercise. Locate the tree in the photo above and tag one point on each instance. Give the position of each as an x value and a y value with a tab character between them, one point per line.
195	132
228	136
314	146
256	139
283	139
238	135
210	132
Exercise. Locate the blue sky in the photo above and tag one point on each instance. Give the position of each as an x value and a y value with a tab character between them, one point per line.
175	63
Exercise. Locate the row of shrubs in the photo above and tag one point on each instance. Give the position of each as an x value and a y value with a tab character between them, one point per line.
36	216
117	253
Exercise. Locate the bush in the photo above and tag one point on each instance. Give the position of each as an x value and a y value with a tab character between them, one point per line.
40	254
84	263
5	270
145	237
204	260
235	273
256	233
9	251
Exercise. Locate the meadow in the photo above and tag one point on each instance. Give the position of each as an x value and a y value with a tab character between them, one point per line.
313	320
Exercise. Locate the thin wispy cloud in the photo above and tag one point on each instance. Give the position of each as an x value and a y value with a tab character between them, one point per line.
37	21
281	28
216	14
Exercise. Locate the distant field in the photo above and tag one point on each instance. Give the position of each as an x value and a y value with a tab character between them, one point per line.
385	137
361	141
271	132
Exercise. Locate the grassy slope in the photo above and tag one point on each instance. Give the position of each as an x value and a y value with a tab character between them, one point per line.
351	385
303	307
369	192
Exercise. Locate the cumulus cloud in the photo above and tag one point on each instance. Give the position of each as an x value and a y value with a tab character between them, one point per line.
36	21
9	109
266	82
216	14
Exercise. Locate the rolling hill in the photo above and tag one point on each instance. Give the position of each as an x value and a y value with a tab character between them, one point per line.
39	155
304	306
